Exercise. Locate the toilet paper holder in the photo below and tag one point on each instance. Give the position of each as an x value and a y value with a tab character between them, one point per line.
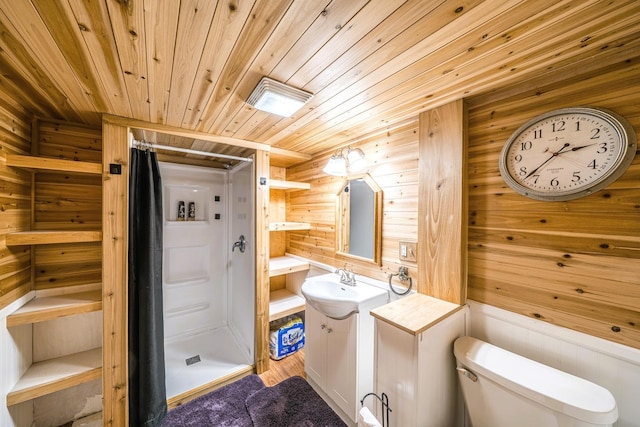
384	400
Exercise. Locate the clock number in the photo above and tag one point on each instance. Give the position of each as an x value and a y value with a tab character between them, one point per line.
537	134
595	134
593	164
577	126
559	127
518	158
554	182
527	145
576	177
603	148
523	171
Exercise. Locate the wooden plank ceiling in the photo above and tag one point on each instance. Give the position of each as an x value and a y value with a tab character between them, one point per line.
370	64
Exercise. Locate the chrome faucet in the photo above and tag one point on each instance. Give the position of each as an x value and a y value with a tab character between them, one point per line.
347	277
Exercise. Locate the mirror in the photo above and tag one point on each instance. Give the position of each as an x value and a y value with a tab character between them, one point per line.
359	219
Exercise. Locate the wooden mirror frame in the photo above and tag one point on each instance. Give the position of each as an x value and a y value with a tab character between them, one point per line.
342	232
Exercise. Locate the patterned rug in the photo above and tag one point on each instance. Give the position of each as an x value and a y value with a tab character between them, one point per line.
249	403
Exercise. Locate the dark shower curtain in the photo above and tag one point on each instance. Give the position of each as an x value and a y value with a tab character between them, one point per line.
147	392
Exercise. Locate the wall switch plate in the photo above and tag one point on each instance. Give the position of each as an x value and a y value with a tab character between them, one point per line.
407	251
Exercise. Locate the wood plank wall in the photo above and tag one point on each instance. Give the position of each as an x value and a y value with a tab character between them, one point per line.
392	157
574	264
70	202
15	196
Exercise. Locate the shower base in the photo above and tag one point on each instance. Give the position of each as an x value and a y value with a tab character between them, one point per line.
200	359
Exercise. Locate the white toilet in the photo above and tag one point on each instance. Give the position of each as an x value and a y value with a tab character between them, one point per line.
503	389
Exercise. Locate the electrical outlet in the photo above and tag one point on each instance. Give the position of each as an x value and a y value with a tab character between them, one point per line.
407	251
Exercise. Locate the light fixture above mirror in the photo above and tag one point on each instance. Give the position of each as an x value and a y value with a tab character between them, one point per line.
277	98
346	161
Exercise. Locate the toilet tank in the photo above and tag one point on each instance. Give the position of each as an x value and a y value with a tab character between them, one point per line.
503	389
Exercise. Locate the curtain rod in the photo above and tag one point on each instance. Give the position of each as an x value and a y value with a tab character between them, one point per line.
189	151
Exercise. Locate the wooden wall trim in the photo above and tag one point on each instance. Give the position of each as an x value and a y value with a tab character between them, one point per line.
171	130
115	204
262	262
442	203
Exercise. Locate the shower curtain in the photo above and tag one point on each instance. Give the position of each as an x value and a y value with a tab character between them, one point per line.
147	392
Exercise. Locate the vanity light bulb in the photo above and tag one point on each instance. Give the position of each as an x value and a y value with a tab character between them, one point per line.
336	166
356	159
357	165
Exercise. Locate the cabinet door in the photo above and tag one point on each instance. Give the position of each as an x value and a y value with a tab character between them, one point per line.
341	364
315	352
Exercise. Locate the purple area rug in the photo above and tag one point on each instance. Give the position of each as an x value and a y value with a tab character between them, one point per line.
249	403
291	403
223	407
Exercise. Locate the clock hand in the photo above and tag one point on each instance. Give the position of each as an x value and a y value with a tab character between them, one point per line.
581	147
566	144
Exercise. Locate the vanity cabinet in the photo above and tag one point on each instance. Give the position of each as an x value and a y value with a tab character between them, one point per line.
331	357
338	356
414	361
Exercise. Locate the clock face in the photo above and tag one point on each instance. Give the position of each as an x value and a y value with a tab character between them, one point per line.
567	153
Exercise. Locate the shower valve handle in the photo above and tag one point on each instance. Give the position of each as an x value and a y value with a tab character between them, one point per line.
240	244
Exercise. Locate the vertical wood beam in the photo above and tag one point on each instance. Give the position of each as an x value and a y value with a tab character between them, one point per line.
442	203
115	204
35	149
262	262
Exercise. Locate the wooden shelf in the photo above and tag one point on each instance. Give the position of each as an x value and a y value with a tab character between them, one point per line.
278	184
175	222
57	374
50	237
53	165
48	308
289	226
285	265
283	303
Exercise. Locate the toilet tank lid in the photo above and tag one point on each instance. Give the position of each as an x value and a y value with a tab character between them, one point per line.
555	389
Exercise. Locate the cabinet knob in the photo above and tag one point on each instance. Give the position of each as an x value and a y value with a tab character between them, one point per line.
323	326
329	330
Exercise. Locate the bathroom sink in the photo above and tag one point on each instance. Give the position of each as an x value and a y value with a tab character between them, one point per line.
336	300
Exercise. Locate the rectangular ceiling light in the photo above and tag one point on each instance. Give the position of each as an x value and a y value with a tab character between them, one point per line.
277	98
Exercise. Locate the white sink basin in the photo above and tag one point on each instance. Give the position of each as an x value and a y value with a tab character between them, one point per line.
327	295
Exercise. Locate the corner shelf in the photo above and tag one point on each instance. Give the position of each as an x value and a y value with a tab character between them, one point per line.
278	184
57	374
53	165
285	265
287	301
51	237
41	309
283	303
289	226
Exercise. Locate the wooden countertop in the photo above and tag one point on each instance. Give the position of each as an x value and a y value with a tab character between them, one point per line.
415	313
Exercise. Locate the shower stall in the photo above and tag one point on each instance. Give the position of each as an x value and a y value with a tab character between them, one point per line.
208	274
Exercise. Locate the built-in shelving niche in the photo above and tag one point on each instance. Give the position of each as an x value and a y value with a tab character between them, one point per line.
288	300
69	370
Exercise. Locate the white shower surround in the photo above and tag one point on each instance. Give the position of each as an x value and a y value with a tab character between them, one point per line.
209	292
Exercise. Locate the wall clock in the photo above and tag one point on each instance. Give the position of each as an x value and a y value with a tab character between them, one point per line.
567	153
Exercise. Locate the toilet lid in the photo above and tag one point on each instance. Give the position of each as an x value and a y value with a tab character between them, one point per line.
555	389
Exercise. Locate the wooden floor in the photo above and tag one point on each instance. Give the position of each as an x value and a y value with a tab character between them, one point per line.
282	369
